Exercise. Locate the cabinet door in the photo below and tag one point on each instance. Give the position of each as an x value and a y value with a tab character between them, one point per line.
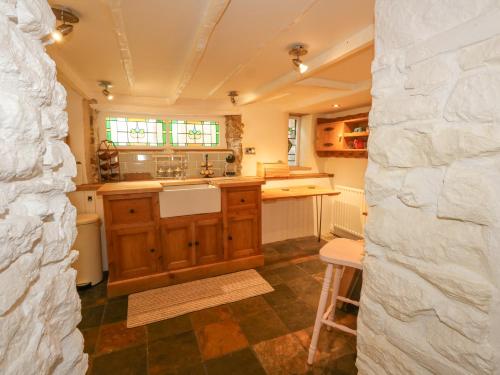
208	240
243	234
329	136
134	252
177	239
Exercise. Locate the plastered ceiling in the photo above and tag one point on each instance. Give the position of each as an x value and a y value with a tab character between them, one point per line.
179	54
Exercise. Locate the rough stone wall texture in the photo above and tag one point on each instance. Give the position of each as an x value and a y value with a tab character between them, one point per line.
39	306
430	300
234	136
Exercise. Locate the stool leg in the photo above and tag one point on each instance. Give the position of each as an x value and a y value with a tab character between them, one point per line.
337	278
319	314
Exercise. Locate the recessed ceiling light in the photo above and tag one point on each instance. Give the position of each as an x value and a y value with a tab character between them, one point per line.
336	106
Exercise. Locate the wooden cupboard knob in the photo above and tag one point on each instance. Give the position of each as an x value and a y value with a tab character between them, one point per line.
229	238
242	200
190	244
197	243
132	211
152	250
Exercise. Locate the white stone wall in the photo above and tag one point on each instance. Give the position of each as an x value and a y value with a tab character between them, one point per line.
430	302
39	306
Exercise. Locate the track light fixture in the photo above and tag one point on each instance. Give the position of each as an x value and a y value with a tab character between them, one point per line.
67	17
297	51
233	96
106	85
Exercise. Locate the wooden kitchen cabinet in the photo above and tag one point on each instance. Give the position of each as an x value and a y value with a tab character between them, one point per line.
134	252
188	241
342	137
208	240
146	251
329	136
243	234
242	221
131	232
177	243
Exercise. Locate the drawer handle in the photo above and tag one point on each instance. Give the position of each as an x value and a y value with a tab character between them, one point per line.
229	238
152	250
242	200
190	244
327	144
132	211
328	129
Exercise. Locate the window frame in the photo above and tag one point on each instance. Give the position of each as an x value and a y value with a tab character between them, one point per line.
147	119
297	140
165	118
198	123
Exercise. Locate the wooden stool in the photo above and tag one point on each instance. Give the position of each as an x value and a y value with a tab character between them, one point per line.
338	254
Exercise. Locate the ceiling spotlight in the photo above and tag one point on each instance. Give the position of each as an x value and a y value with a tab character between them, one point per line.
233	95
67	17
106	85
298	50
336	106
56	36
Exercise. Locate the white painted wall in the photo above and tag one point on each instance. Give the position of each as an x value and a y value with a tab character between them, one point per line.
430	302
347	171
39	305
76	143
266	129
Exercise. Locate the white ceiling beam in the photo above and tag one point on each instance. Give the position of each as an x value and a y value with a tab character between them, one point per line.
115	7
331	96
214	11
255	54
339	51
326	83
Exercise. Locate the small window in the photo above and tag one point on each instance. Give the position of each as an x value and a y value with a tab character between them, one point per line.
125	131
293	130
187	133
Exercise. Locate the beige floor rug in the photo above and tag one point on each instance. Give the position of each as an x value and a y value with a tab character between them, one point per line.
165	303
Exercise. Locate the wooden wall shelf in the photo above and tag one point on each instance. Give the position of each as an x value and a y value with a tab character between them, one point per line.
356	134
338	138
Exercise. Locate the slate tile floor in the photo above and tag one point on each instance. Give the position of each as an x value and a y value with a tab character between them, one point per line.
268	334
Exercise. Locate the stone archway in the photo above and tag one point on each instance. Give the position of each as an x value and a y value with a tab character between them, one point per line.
430	301
39	305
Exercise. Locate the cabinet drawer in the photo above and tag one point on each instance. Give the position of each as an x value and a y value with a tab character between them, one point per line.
242	199
131	210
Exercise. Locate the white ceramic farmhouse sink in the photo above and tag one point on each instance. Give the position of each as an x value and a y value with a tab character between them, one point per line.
183	200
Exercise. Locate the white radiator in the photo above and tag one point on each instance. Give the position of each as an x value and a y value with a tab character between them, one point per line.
348	208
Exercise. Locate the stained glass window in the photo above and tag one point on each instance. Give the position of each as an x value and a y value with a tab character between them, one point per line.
201	133
125	131
293	128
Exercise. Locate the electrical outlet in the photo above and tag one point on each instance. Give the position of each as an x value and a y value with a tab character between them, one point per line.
249	150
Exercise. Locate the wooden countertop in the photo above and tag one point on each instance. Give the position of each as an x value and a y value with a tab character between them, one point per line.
296	192
130	187
153	186
301	175
88	187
